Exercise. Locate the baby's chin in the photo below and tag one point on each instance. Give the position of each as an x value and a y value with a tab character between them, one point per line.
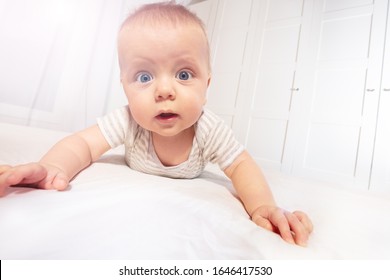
173	132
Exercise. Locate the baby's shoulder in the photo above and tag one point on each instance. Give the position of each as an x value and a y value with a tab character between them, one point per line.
209	119
208	124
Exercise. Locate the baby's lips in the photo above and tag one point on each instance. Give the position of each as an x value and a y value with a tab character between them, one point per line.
165	115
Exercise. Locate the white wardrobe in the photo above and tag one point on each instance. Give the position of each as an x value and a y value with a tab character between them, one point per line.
305	84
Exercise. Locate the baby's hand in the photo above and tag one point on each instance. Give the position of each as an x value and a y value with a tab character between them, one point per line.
294	228
33	175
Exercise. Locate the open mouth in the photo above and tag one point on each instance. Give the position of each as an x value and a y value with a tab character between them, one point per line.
166	116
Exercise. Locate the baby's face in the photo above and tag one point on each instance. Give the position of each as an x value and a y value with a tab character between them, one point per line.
165	75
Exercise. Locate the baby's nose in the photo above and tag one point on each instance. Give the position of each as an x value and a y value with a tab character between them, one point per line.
165	90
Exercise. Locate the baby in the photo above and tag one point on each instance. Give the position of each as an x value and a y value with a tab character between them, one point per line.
164	60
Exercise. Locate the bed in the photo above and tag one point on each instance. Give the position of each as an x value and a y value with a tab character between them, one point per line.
113	212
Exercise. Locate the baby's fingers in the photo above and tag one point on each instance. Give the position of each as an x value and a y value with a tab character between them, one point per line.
4	168
27	174
3	178
304	219
264	223
301	235
274	219
58	181
281	219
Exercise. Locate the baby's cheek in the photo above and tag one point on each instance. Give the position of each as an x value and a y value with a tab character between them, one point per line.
139	113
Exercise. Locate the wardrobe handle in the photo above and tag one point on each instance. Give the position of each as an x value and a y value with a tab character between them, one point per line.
370	90
386	89
295	89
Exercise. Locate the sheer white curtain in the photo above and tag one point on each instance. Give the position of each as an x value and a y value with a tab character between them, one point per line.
58	60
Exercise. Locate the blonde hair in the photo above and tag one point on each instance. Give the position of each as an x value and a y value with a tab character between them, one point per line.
167	13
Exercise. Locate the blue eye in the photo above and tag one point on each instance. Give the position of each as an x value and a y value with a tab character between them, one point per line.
144	77
184	75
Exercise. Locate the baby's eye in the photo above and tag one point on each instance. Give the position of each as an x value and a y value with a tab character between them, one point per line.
144	77
184	75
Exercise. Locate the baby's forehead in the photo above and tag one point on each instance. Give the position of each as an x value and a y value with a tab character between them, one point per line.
138	30
137	27
153	34
147	25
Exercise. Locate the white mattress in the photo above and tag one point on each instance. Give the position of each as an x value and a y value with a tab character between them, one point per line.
113	212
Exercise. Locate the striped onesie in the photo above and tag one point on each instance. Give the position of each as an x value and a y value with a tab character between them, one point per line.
213	142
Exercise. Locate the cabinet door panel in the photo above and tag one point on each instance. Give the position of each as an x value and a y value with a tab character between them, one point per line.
334	5
337	139
273	94
326	142
380	177
275	73
282	9
339	96
281	43
229	48
266	138
223	90
345	37
227	64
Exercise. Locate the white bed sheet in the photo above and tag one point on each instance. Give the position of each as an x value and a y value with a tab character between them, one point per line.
113	212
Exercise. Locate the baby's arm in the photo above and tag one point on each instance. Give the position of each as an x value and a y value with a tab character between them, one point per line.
258	201
61	163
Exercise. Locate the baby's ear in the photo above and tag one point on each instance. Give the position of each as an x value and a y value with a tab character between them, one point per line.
209	80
